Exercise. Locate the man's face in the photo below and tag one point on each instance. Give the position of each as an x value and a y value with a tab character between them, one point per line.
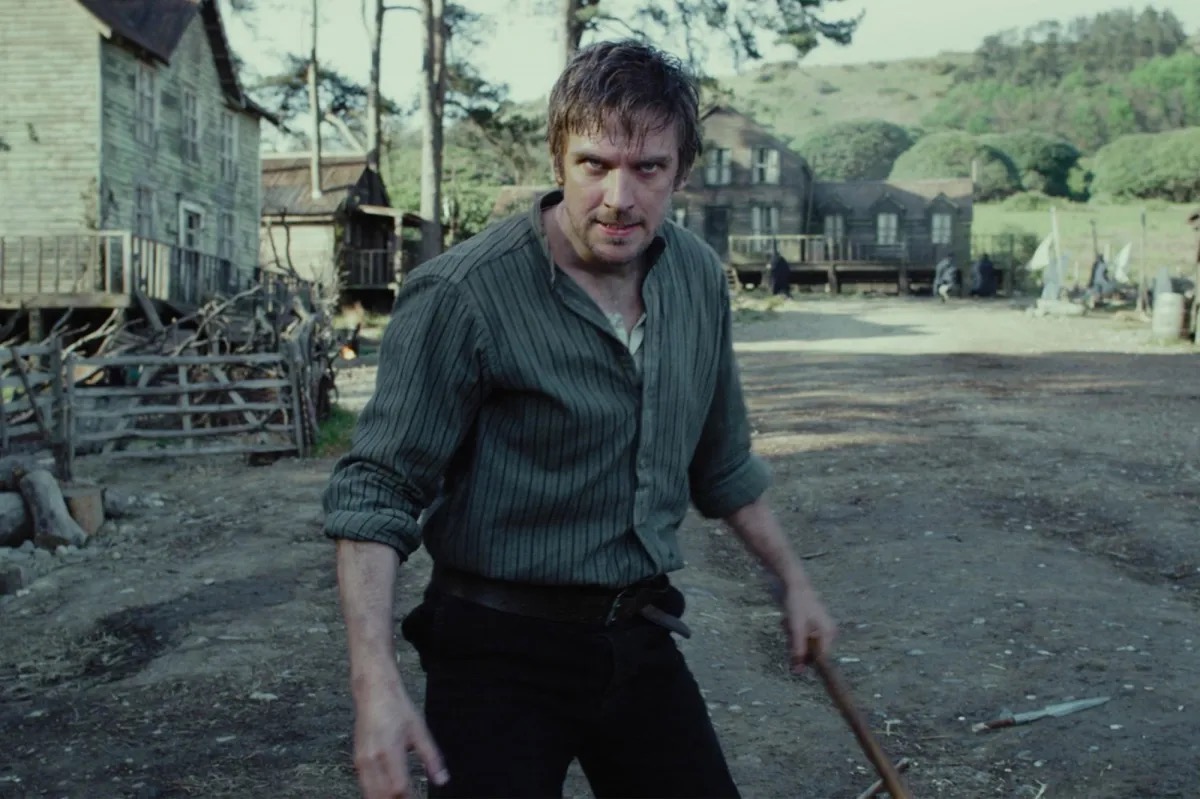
616	190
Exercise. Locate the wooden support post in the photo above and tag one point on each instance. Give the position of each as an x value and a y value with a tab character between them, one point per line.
185	403
834	287
36	326
58	444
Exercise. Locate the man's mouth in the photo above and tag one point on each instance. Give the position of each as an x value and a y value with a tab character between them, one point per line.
617	230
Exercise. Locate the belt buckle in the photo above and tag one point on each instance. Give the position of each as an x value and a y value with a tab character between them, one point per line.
625	594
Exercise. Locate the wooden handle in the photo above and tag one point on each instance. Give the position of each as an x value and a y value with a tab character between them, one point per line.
841	699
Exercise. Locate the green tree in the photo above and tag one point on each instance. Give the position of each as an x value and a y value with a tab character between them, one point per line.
1044	162
800	24
1150	166
953	154
859	150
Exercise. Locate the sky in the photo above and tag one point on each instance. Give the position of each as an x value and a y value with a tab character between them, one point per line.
524	50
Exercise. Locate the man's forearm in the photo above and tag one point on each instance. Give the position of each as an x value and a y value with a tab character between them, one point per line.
758	529
366	582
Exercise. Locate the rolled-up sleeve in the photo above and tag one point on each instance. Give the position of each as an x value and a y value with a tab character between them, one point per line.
427	394
725	474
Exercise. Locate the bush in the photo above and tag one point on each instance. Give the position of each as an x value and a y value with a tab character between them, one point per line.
1027	201
1162	166
950	155
862	150
1043	161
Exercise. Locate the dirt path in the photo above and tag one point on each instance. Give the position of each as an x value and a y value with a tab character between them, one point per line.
1001	512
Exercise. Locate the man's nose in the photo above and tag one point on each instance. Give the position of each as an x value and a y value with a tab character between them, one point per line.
618	193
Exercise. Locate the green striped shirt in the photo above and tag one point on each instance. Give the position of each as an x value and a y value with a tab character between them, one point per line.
503	387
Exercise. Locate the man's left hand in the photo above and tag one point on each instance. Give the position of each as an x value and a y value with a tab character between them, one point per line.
807	624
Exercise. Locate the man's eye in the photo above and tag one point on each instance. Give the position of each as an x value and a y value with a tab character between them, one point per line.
650	169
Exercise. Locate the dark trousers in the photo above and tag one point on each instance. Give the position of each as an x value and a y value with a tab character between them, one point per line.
512	701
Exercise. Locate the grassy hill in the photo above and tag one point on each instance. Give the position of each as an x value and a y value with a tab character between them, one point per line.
794	99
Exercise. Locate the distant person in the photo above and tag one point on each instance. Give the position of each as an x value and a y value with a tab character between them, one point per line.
945	278
781	274
983	273
1101	283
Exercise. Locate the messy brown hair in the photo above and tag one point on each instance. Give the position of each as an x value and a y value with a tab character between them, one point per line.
625	83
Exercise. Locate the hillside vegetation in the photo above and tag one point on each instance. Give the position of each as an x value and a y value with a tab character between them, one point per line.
1106	107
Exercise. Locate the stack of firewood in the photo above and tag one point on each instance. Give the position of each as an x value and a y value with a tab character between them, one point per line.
37	505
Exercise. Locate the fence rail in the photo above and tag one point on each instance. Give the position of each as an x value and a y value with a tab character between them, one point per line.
188	405
32	403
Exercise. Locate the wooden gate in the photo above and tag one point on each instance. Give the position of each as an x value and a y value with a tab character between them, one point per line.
31	398
183	405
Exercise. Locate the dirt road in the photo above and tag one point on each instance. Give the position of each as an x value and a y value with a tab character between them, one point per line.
1000	510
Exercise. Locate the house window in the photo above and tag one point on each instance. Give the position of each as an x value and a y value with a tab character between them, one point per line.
225	236
835	227
145	105
765	167
764	222
191	126
228	147
719	168
143	212
680	216
887	229
942	228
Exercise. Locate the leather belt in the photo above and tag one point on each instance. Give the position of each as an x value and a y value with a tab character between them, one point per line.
568	604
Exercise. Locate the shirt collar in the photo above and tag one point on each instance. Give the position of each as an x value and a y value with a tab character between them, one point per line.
553	197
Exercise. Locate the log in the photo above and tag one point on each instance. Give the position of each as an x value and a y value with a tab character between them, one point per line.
85	503
15	523
52	523
14	467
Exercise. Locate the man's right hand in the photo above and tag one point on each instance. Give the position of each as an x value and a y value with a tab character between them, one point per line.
386	728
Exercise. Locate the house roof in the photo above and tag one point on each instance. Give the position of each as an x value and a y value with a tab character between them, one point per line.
346	183
913	196
515	199
157	26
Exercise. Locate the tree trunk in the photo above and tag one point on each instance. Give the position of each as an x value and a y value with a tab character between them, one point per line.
572	28
374	96
432	103
52	523
314	103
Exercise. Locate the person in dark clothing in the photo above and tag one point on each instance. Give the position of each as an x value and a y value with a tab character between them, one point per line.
781	274
552	396
984	274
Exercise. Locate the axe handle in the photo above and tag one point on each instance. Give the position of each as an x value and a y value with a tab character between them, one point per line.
841	699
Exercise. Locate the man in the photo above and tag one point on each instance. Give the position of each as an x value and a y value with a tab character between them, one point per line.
564	383
945	277
781	273
983	282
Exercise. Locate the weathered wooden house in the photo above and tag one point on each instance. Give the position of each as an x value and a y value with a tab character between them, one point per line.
751	195
347	234
749	184
129	154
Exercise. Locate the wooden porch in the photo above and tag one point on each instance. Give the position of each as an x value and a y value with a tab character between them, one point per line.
372	269
101	269
817	259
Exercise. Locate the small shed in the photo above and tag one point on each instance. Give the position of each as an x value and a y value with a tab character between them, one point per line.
348	233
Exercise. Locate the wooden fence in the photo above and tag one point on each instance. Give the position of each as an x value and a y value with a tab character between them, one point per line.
157	405
31	398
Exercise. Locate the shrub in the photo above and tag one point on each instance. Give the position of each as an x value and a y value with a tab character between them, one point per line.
1043	161
950	155
1165	166
861	150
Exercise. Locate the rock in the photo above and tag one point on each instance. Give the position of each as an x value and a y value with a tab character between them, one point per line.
12	579
16	526
117	504
86	506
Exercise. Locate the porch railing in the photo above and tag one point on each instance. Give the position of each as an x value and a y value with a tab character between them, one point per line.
114	262
815	250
